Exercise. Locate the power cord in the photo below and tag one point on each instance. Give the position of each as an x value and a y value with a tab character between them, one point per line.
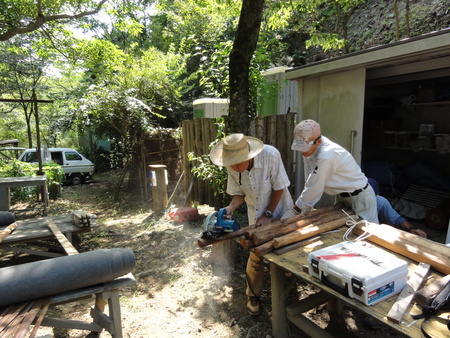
352	223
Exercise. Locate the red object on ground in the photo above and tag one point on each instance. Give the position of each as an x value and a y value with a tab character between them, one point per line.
184	214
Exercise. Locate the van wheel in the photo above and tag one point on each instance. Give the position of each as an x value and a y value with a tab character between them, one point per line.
76	179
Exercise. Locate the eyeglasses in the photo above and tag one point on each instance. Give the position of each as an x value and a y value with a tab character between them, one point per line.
310	142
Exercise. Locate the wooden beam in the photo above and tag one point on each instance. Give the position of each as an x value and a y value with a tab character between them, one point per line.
308	232
6	231
406	296
409	245
202	242
426	295
293	246
68	247
308	303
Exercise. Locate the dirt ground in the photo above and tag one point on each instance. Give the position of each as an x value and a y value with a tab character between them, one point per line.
177	291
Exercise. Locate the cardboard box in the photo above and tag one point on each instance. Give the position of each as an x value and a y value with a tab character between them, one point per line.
359	270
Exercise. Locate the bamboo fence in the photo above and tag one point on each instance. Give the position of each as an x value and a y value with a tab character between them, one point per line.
276	130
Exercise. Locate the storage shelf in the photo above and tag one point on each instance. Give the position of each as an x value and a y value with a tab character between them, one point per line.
432	103
408	148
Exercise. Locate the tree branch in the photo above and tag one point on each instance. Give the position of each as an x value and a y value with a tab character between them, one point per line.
41	19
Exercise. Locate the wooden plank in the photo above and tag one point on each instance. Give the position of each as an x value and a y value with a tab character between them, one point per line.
308	303
37	229
9	313
31	251
409	245
202	242
426	295
6	231
15	320
406	296
293	246
68	247
71	324
39	319
29	317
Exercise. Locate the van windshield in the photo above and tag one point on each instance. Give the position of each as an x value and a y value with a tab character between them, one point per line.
30	157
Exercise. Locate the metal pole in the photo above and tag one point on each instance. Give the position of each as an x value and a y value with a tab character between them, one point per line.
38	133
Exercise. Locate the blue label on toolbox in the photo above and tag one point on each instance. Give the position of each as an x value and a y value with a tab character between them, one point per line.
381	292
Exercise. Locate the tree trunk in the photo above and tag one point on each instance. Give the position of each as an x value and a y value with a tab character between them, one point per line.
244	46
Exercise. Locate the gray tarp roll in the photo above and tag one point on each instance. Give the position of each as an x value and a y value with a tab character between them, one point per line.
51	276
6	218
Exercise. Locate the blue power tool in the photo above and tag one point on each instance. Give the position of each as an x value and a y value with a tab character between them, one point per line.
216	225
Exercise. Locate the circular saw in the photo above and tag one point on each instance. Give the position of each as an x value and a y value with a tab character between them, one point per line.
215	224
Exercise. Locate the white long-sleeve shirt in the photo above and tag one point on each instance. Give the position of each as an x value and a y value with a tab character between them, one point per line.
267	174
331	169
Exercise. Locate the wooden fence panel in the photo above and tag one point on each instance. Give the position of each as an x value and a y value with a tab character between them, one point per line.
198	134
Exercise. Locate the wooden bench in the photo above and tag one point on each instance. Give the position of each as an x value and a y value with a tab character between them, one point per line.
18	318
38	230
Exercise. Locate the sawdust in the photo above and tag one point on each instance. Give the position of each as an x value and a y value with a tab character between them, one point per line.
178	293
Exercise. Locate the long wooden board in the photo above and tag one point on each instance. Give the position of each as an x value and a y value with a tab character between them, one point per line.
68	247
409	245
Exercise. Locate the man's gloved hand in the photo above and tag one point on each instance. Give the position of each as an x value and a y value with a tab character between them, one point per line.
289	213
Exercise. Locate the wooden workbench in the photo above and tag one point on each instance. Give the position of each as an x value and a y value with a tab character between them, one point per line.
293	262
37	230
25	181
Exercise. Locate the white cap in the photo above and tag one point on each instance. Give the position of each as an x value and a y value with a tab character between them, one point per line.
304	135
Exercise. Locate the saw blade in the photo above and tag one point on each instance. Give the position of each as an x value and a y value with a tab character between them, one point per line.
210	222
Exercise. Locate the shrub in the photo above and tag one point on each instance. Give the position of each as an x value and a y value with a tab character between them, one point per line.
15	168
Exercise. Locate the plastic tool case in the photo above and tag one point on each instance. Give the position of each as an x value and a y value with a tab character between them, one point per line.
359	270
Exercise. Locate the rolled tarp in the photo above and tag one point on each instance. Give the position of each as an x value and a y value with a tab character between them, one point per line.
49	277
6	218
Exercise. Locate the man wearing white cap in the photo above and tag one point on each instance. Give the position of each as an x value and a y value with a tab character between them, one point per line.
330	169
256	176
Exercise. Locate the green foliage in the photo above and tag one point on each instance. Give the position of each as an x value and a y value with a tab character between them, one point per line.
24	16
324	21
213	69
208	171
53	173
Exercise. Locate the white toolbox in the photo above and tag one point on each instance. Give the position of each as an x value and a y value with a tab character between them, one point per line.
359	270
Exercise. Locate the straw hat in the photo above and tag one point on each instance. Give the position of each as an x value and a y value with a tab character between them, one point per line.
235	148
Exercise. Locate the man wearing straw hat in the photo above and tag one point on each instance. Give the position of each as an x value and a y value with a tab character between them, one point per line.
330	169
256	176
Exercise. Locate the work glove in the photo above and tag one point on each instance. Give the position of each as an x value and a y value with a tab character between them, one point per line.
289	213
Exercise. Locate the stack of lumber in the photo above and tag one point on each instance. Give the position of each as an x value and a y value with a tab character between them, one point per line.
414	247
285	232
295	229
81	218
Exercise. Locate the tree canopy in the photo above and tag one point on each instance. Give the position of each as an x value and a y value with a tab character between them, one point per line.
118	67
23	16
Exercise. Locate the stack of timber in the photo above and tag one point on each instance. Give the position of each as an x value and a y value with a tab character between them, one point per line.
296	229
285	232
414	247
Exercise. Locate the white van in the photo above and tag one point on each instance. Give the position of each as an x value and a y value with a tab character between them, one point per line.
77	168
